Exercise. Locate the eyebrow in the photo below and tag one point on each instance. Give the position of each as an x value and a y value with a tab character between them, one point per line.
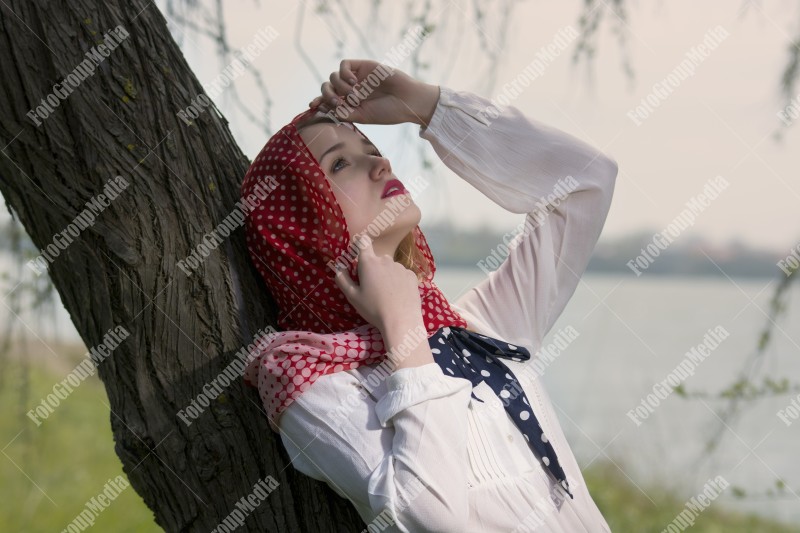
340	144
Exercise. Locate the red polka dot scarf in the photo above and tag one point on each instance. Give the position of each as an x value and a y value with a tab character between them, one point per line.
293	235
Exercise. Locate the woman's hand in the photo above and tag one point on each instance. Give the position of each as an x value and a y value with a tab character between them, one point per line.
394	98
387	295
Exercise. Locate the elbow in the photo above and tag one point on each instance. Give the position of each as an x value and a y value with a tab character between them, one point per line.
419	501
613	168
421	508
607	170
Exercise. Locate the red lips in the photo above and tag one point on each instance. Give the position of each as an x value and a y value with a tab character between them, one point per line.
395	186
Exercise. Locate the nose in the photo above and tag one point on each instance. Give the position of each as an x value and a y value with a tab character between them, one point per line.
380	165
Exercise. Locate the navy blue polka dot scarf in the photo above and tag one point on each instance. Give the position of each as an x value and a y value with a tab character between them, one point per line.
476	357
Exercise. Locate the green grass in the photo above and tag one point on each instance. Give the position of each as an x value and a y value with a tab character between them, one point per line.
49	472
625	508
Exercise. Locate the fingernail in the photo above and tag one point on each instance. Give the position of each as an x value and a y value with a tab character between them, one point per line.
353	81
334	101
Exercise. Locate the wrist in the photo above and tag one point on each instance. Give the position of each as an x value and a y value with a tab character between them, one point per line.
400	333
419	355
407	346
422	103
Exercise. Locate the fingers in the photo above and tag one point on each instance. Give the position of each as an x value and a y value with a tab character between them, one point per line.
336	87
329	96
365	248
339	85
366	254
346	72
345	283
331	99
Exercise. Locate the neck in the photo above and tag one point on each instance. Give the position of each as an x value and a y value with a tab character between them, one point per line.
385	247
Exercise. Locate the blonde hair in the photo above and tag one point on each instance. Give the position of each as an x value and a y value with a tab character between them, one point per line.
409	255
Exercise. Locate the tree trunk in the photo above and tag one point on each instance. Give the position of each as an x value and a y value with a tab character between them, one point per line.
183	180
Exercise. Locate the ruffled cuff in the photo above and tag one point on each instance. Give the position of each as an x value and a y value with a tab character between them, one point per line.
409	386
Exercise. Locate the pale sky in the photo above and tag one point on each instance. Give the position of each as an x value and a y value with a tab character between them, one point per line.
717	122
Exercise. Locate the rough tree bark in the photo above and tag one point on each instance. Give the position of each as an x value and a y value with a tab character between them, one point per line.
183	180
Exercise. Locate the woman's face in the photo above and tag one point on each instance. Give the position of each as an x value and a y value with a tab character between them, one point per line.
358	174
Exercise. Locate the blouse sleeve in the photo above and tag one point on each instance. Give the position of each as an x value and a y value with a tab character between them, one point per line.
562	184
404	456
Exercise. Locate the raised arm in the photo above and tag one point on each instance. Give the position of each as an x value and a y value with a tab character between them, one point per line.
518	162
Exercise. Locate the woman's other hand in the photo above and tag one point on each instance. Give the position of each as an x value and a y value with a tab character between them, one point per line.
369	92
387	295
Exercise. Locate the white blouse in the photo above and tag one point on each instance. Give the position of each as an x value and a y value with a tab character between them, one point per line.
417	453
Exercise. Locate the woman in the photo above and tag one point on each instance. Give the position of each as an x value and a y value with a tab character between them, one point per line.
424	413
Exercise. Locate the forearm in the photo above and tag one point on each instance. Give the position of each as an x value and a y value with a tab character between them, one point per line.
517	161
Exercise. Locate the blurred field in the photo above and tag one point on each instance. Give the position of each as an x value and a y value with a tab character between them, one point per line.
627	509
49	472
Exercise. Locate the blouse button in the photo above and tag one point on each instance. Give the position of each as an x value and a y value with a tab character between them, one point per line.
510	438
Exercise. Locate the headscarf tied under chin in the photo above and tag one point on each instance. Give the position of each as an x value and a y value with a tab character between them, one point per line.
292	236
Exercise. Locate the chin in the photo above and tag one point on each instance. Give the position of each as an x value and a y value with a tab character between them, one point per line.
407	220
413	213
404	223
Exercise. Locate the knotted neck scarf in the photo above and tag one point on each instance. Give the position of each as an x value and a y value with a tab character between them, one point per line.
294	235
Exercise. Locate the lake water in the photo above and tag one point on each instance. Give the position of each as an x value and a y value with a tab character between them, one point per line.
633	333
